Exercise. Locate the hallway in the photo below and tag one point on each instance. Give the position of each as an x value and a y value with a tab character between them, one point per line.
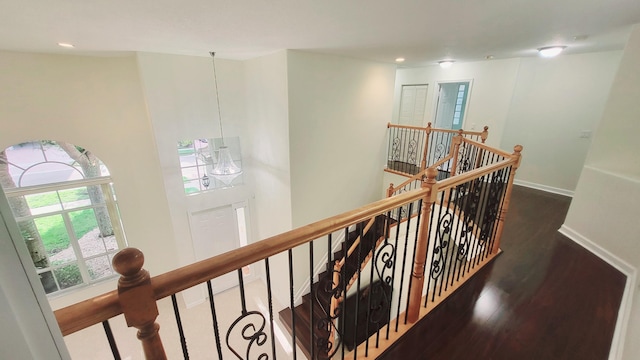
545	297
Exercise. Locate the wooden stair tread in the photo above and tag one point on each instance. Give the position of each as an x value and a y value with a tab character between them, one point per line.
322	299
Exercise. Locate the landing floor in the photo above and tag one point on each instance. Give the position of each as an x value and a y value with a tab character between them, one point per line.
545	297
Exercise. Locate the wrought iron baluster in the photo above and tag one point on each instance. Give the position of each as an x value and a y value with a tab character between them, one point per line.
413	255
388	264
214	317
311	303
358	281
494	203
343	303
472	210
455	244
252	325
404	262
393	271
291	304
183	340
270	303
463	235
112	341
431	224
441	246
374	234
435	268
331	287
498	198
484	215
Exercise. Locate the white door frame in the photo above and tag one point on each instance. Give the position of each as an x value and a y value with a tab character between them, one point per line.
36	334
436	96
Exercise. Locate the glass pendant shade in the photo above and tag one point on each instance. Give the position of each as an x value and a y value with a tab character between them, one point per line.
225	170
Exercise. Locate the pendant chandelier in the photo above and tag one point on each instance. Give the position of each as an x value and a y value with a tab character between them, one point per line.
225	169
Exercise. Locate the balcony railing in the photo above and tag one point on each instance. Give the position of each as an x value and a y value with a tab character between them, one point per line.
375	293
413	149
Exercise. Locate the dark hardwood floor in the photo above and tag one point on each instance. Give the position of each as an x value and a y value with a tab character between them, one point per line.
544	298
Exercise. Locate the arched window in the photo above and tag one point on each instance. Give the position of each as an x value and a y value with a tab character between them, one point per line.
63	200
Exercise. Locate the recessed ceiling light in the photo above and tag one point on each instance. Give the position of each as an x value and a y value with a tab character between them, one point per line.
445	64
400	59
65	45
550	51
489	57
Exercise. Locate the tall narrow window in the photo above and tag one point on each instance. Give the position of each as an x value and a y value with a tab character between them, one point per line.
63	200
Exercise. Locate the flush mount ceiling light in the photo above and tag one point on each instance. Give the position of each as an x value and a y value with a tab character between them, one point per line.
225	170
400	59
65	45
445	64
550	51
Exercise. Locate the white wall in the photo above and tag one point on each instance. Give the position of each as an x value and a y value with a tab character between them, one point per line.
96	103
268	116
603	213
488	101
338	111
554	101
181	100
180	96
616	147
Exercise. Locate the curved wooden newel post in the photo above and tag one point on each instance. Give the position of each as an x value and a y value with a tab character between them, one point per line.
417	282
507	197
138	302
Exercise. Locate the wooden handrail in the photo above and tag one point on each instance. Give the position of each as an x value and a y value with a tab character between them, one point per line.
418	176
487	148
356	243
464	132
415	177
103	307
475	173
412	127
442	161
137	292
88	312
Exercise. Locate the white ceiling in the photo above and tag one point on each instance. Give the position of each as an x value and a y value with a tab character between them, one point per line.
422	31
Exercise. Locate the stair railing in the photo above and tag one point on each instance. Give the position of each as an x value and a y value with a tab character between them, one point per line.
439	258
412	148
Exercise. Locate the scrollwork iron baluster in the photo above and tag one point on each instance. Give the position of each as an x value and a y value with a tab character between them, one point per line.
395	149
254	334
326	348
441	242
496	188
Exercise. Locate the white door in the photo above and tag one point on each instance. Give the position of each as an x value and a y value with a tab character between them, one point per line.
413	101
451	105
213	232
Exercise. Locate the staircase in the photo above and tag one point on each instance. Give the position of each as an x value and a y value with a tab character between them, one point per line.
319	324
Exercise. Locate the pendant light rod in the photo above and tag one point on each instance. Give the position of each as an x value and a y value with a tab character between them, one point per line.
215	81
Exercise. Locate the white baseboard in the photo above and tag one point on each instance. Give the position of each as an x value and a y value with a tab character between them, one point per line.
546	188
617	343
